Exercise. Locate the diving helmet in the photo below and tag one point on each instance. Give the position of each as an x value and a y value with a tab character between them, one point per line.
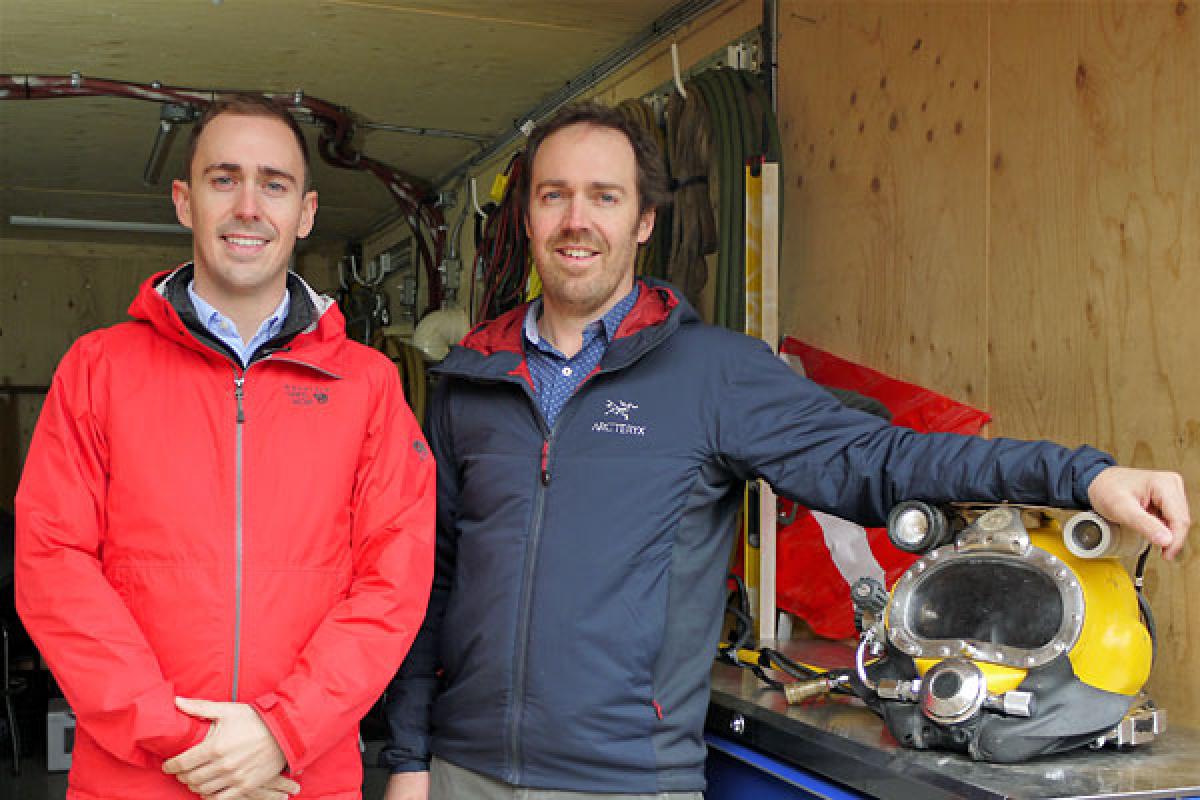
1017	633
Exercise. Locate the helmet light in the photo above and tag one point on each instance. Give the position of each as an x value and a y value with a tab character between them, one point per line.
917	527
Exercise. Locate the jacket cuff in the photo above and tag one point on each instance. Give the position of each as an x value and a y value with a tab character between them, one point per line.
167	747
406	766
286	736
1084	481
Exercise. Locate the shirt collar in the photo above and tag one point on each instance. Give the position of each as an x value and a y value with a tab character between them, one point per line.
213	320
609	323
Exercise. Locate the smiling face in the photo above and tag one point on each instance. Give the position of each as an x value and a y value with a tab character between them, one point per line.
583	221
246	205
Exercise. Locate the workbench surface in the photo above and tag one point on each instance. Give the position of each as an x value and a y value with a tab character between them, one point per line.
840	739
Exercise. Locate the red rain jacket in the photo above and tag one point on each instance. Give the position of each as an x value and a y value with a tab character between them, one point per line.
175	539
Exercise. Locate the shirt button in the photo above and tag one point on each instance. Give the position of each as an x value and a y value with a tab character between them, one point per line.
566	372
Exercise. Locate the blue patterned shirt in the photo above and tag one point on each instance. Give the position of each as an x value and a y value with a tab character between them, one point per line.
556	377
223	328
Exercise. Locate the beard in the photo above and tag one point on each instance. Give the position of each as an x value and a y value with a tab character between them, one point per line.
584	293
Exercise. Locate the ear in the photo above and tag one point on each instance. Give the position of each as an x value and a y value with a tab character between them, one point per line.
308	214
645	226
181	195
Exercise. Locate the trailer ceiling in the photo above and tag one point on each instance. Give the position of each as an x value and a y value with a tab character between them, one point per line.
459	65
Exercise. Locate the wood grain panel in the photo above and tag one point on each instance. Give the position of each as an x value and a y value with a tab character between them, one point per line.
53	292
883	124
1094	245
994	200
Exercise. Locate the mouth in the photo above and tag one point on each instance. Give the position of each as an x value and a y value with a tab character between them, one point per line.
576	254
244	243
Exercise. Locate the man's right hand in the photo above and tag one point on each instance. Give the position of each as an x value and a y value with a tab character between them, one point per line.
279	788
407	786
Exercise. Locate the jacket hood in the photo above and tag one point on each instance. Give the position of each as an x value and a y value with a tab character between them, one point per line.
318	337
495	348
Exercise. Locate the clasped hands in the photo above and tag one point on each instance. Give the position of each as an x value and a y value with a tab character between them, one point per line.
239	758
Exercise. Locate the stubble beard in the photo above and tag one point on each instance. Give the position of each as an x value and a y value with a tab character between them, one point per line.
585	294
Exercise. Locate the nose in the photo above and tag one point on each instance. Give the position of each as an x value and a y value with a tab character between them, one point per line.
575	215
246	203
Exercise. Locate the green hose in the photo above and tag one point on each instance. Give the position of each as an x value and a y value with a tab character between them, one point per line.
741	129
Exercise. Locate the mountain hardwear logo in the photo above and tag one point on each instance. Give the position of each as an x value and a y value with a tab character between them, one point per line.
306	395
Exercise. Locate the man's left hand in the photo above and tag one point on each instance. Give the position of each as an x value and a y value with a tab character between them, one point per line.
1152	503
238	756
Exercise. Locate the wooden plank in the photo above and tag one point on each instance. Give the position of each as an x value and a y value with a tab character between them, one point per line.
768	302
883	127
1091	305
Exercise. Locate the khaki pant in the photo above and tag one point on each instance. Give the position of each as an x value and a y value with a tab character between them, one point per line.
450	782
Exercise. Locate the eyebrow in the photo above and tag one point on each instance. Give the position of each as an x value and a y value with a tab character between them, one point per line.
266	172
593	186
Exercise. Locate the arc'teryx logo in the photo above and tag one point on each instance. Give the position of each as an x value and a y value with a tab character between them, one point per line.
622	409
619	408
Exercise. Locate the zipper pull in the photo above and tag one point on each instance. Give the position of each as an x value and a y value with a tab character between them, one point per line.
237	395
545	462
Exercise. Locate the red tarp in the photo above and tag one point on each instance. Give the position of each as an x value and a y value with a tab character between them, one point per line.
809	583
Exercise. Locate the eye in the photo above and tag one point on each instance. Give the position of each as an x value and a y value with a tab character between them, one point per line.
551	196
275	188
608	198
222	181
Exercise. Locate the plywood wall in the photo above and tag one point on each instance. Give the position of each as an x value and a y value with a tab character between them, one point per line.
998	200
52	292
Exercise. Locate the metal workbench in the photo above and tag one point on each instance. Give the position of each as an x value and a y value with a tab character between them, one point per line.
838	739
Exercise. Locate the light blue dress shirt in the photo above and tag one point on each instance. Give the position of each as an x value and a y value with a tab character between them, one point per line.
223	328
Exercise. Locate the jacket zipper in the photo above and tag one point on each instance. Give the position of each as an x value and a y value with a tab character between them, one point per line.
521	656
239	382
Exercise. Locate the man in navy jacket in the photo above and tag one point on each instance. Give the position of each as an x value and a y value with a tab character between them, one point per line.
591	450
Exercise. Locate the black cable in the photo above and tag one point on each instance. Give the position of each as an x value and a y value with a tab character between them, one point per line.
784	664
1139	582
1151	628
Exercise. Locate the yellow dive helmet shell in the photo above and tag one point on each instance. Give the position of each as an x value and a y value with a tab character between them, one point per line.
1100	629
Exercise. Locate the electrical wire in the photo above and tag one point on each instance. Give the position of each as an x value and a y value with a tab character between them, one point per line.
335	144
1139	581
738	650
503	250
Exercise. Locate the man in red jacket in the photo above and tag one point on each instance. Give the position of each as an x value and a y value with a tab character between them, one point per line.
225	524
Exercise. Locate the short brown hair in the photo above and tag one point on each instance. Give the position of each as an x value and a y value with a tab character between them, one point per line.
652	182
246	105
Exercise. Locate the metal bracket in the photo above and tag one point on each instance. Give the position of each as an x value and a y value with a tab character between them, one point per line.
1139	726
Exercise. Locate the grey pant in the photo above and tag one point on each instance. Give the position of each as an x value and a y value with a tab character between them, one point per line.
450	782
